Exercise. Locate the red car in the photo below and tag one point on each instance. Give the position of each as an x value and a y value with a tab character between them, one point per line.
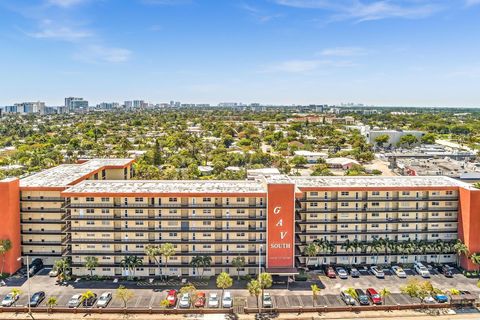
331	273
374	296
172	298
200	302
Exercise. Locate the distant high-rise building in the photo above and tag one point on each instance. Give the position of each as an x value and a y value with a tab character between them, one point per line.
139	104
108	105
30	107
72	104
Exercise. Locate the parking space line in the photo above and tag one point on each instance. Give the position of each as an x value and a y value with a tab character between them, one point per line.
152	299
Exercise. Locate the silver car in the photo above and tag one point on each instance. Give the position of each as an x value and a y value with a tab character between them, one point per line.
184	301
347	298
9	300
74	301
227	301
213	301
104	299
267	300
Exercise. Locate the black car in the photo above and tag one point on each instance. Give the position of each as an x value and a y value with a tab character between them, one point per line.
90	301
35	266
354	273
362	297
37	298
446	270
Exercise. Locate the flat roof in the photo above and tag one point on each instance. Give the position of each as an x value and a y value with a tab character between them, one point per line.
376	181
66	174
167	187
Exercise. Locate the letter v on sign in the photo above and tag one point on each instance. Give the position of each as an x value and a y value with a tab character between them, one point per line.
283	234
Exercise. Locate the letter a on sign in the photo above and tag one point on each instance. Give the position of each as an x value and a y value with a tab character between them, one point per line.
283	234
279	223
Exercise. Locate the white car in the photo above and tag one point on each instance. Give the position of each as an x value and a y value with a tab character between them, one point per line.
74	301
267	300
53	273
104	299
377	272
184	301
213	301
227	301
421	270
429	299
9	300
342	273
399	272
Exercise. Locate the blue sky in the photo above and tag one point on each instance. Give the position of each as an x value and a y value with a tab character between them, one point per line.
409	52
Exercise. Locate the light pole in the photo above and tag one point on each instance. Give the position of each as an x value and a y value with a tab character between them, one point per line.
28	283
260	261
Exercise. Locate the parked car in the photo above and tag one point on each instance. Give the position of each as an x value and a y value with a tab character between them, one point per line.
428	299
399	272
35	266
37	298
227	301
267	300
74	301
374	296
421	270
9	300
90	301
104	299
200	301
347	298
330	273
354	273
446	270
213	301
440	298
377	272
172	298
362	297
184	301
53	273
342	273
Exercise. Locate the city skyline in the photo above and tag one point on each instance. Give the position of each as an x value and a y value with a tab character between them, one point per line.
414	53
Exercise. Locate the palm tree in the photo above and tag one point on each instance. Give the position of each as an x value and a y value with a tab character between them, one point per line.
475	259
62	265
51	302
153	253
254	289
238	263
86	296
91	263
167	250
439	247
196	262
460	249
315	291
310	251
385	293
375	246
131	263
5	246
265	281
15	293
224	281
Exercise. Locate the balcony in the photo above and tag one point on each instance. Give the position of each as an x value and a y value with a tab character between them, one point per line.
43	199
169	205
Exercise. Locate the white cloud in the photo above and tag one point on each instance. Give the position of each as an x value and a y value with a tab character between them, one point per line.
99	53
49	30
258	14
366	11
167	2
470	3
66	3
343	52
306	65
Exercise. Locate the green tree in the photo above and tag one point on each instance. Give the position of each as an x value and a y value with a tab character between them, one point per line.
124	294
62	266
298	161
90	264
5	246
167	250
154	253
224	281
428	138
15	293
315	291
131	263
475	259
51	302
190	289
238	263
382	139
254	289
310	251
385	293
86	296
265	280
408	140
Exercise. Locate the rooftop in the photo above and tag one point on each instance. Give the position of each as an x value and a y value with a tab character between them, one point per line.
66	174
376	181
167	186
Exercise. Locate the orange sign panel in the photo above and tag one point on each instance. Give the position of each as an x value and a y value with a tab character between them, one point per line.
281	226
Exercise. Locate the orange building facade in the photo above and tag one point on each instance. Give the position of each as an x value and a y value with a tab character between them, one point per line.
95	209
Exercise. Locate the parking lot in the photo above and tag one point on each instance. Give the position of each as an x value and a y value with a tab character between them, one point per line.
298	294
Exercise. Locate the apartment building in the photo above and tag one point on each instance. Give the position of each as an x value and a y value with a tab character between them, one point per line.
94	209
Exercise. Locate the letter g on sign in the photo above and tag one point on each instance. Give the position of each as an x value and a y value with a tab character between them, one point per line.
276	210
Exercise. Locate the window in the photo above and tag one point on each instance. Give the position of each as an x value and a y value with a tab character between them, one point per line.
375	214
139	235
449	203
90	210
375	225
172	234
106	223
105	199
405	225
90	223
138	211
90	199
435	203
240	246
172	199
207	199
447	225
435	193
207	235
314	194
405	193
241	234
344	204
138	199
375	193
172	211
434	225
375	204
105	211
448	214
139	223
449	192
435	214
207	211
207	223
434	235
314	204
240	223
240	199
344	226
240	211
404	236
345	193
343	236
405	214
207	246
